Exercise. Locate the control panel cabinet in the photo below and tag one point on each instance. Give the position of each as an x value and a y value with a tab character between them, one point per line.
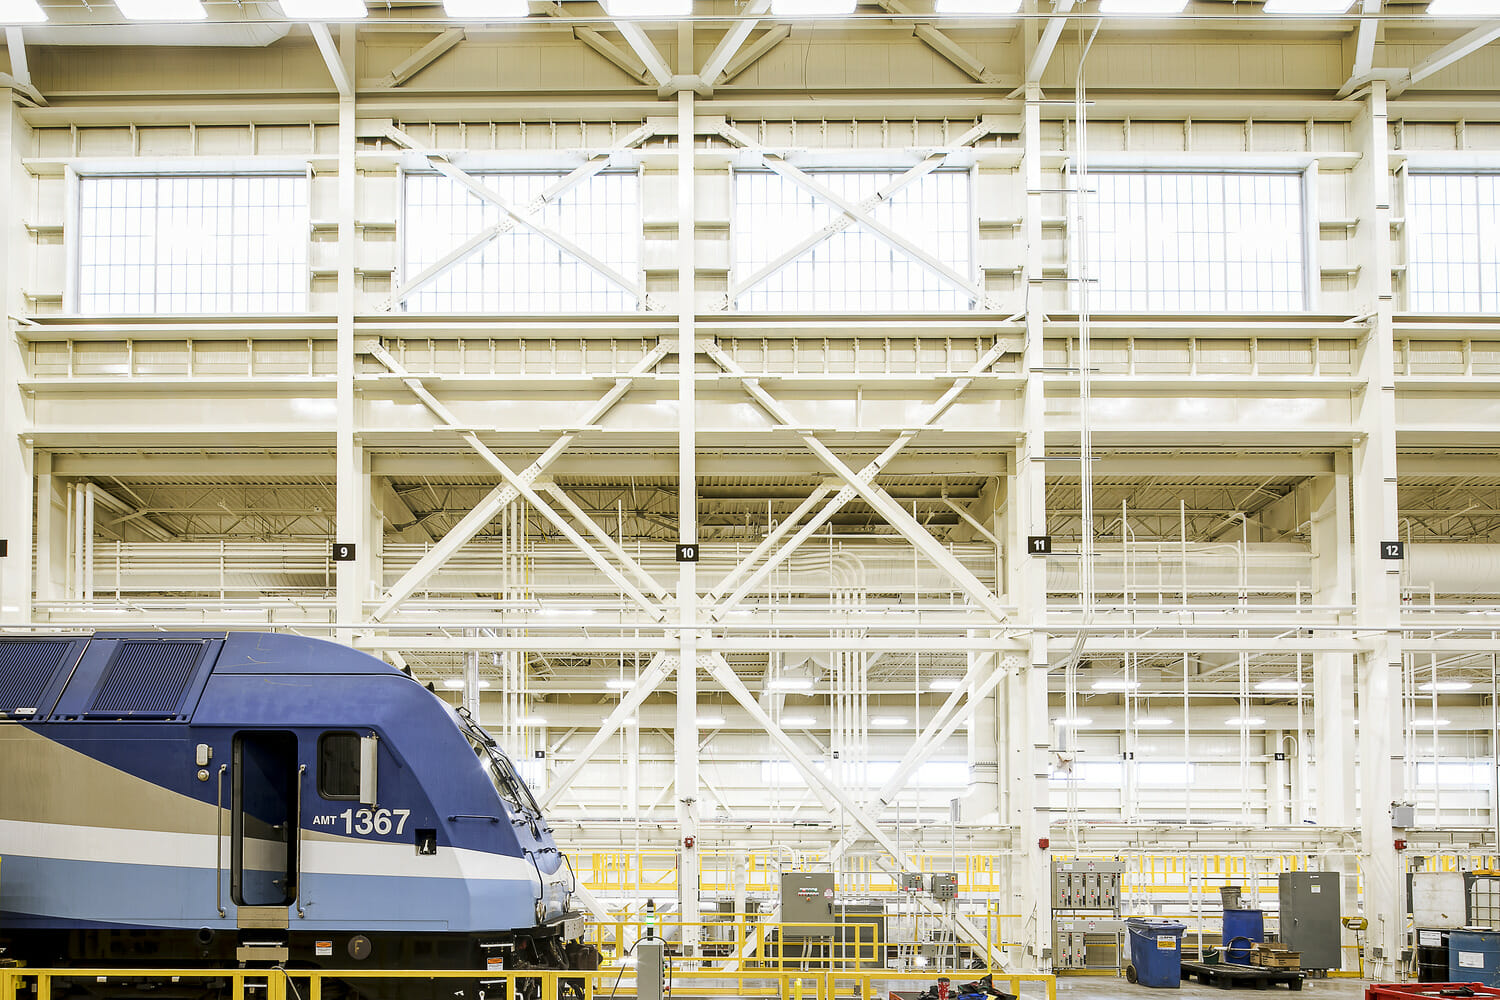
1086	885
806	898
1310	917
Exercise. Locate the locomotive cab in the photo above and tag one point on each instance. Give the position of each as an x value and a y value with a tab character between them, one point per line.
182	795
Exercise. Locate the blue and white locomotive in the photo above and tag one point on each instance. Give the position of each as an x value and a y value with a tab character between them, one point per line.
212	798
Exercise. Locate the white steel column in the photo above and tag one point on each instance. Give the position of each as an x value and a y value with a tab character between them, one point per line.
1378	581
1029	734
349	465
1333	672
15	450
686	736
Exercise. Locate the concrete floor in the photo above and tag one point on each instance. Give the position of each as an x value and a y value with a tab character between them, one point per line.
1109	988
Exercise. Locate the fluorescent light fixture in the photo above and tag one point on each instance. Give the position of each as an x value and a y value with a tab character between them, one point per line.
454	684
811	8
789	684
533	720
1287	686
1073	721
1441	686
889	721
483	683
1152	722
1141	6
631	720
1115	684
162	10
979	7
1430	723
21	12
797	721
1463	8
323	10
944	683
620	683
648	8
1240	720
711	721
1333	7
480	10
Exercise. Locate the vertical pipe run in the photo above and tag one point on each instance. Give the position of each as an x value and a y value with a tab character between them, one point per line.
687	508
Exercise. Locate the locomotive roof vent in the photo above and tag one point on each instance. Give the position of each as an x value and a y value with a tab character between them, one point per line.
147	679
26	668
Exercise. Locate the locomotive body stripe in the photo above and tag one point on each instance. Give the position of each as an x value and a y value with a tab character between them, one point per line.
45	892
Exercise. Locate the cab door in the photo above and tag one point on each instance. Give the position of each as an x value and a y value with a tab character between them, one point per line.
264	826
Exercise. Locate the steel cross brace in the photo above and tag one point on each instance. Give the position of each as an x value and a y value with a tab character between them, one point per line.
942	725
657	671
595	165
854	211
862	484
516	485
834	797
442	165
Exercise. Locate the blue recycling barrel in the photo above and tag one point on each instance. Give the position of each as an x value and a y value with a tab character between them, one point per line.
1241	929
1156	951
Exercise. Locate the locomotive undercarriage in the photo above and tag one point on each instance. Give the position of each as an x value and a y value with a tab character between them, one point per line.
377	951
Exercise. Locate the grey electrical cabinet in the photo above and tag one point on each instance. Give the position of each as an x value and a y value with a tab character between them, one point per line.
1310	917
806	898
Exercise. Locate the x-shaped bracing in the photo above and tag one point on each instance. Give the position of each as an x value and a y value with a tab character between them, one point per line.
861	484
858	212
519	484
516	215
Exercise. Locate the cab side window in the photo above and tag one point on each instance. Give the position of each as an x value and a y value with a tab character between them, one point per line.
338	766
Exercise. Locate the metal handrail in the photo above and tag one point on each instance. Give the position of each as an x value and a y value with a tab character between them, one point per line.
297	846
219	847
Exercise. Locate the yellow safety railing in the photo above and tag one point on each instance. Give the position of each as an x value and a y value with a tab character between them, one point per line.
605	984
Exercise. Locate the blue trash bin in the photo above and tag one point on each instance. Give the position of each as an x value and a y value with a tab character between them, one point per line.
1156	951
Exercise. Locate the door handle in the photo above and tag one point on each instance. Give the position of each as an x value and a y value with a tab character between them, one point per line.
297	845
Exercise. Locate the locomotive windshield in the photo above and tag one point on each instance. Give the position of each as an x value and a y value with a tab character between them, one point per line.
508	783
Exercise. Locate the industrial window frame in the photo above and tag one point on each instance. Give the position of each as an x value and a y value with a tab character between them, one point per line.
290	269
1105	298
632	229
822	215
1422	265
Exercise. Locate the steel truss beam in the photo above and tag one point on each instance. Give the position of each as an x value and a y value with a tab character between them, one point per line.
954	712
642	47
516	485
595	165
421	59
1448	55
439	161
858	214
331	57
656	672
731	42
862	484
834	797
602	537
758	48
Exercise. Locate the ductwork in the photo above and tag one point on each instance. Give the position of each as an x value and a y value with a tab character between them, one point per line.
239	34
1453	568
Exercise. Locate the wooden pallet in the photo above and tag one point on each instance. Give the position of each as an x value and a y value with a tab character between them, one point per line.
1226	976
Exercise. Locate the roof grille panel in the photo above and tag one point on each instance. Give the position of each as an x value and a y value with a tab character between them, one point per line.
26	666
147	679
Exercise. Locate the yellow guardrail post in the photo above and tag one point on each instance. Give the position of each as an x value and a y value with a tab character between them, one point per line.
43	986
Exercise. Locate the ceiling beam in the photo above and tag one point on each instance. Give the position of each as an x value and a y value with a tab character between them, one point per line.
621	58
421	59
1364	46
331	58
641	45
1449	54
733	39
1048	42
758	48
